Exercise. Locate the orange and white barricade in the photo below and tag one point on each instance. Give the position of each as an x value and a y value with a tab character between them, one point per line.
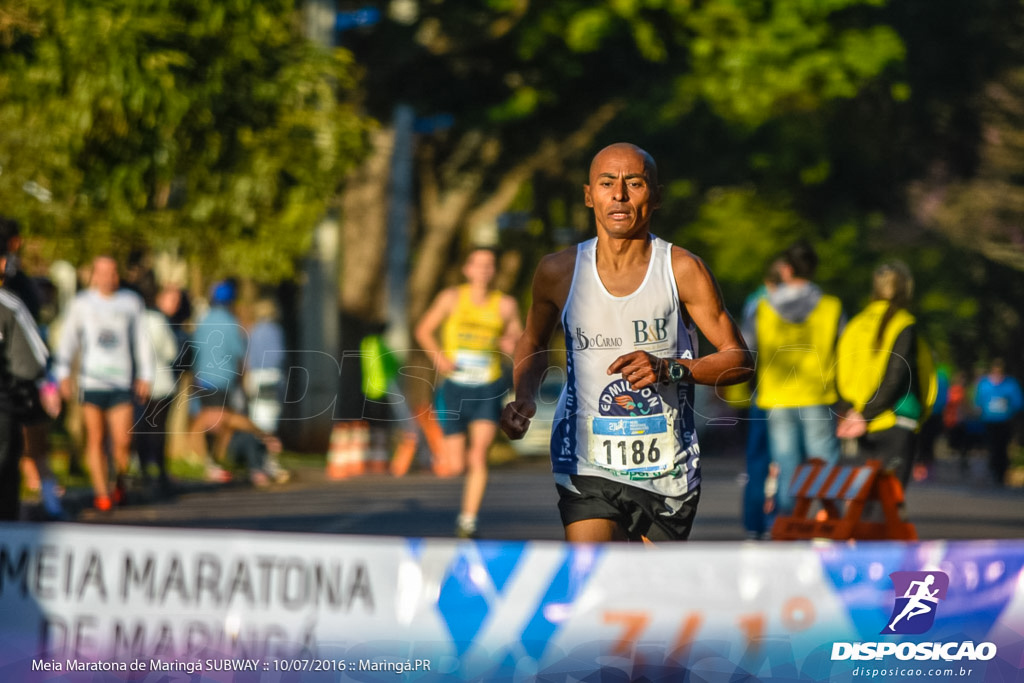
831	501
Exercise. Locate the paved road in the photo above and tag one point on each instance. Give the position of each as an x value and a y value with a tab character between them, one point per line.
521	505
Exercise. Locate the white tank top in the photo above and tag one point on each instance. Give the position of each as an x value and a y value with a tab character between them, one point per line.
602	427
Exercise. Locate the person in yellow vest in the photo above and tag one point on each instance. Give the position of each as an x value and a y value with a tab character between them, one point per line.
885	374
796	328
479	326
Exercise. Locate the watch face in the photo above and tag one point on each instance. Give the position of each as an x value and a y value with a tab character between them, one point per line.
676	372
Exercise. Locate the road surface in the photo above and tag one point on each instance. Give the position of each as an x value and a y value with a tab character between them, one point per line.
521	505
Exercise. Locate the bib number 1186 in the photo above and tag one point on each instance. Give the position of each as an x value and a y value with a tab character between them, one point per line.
631	445
625	454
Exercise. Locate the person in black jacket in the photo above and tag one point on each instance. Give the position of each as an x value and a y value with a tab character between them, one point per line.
23	358
36	423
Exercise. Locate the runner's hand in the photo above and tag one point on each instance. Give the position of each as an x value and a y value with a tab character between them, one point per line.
444	365
66	388
515	418
639	368
49	398
142	390
851	425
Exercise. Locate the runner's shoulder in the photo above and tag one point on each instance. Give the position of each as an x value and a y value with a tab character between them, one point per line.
685	260
554	275
557	265
447	296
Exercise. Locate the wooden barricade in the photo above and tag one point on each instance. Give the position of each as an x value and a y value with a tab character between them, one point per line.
844	493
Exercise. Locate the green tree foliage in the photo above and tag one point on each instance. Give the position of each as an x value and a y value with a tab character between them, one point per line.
922	164
906	166
210	128
536	87
873	128
726	218
771	121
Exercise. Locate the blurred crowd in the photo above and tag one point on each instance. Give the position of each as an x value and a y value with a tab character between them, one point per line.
862	389
132	368
974	415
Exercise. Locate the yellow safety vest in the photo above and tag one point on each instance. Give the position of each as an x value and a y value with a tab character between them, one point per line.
862	364
796	360
470	338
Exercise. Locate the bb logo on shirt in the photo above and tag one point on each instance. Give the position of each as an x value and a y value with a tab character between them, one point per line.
652	332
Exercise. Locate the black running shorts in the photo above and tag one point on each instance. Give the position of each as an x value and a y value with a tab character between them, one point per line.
639	512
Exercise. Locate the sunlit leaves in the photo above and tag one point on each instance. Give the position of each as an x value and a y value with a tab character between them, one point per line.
756	60
741	231
186	124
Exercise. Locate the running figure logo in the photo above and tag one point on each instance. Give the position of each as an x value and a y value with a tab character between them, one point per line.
917	597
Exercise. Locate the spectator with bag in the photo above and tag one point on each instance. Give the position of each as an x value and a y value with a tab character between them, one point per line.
23	358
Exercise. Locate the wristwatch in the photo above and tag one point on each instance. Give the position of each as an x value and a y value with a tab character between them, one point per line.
677	372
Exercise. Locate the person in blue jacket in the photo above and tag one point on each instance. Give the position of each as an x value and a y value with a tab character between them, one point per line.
998	397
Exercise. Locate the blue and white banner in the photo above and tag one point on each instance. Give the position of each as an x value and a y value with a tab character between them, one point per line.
171	604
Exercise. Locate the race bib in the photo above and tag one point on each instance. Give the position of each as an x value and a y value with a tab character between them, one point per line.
108	373
472	367
631	445
999	405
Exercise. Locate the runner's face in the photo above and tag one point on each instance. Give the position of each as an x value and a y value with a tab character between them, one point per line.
168	301
621	192
480	268
104	276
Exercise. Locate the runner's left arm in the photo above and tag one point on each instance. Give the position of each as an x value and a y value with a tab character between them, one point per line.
732	362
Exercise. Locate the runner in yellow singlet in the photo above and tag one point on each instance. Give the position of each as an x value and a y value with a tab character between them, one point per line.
478	326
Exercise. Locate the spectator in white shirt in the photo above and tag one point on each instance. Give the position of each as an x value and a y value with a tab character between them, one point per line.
104	329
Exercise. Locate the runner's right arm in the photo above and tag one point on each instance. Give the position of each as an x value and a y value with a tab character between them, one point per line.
428	325
550	290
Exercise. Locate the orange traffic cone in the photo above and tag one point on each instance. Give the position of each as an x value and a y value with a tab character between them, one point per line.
360	448
338	451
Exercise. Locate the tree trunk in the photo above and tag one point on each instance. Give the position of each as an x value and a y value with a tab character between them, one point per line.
457	205
364	207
